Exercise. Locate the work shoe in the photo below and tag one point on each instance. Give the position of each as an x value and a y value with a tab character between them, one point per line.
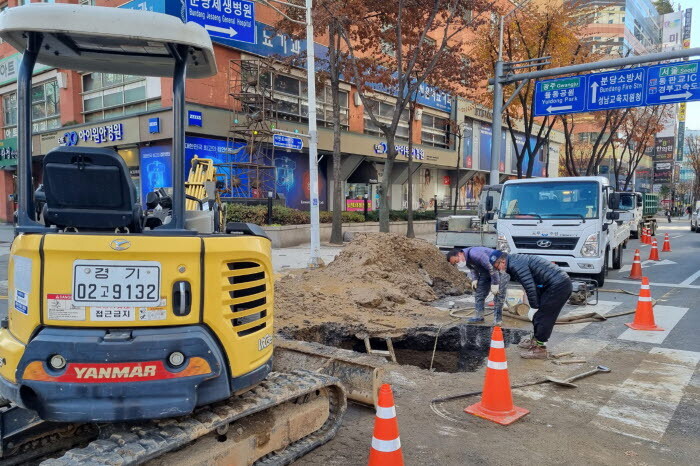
535	351
475	320
526	343
497	322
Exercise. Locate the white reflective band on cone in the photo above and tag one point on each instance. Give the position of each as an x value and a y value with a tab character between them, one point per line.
645	287
497	344
645	299
386	413
497	365
386	446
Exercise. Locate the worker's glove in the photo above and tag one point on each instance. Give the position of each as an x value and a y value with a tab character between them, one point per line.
495	289
531	313
474	284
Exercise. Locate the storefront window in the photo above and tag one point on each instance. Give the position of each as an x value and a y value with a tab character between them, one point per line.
292	101
45	109
109	95
355	196
435	131
383	112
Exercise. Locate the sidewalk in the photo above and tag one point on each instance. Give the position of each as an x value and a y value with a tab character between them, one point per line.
7	232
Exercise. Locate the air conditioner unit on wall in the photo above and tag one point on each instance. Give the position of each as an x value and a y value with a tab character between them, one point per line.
358	100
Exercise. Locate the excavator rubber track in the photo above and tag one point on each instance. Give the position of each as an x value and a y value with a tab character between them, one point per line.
137	443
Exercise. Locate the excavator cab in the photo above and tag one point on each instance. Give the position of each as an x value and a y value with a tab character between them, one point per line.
113	316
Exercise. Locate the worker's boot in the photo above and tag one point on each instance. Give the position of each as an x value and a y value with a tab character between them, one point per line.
536	350
477	319
526	343
497	318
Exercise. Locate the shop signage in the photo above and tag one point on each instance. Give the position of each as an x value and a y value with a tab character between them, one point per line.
664	148
9	67
154	125
96	134
663	172
418	153
357	205
446	180
8	151
195	118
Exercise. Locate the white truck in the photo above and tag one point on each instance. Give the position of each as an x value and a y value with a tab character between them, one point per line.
573	222
639	210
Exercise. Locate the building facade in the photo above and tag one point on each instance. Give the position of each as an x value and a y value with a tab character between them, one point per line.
132	114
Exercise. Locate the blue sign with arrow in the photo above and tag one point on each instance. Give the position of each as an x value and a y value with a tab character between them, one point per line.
557	96
634	87
673	82
224	19
287	142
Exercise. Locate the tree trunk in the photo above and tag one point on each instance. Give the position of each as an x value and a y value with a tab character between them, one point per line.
384	187
333	56
409	208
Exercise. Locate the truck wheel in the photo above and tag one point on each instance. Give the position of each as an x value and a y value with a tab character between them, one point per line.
600	277
617	259
692	227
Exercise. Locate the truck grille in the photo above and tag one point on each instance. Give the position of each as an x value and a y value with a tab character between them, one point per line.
530	242
246	285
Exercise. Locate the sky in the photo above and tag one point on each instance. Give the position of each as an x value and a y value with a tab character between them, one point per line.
692	119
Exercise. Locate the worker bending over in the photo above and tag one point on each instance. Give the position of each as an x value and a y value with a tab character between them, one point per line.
486	272
547	288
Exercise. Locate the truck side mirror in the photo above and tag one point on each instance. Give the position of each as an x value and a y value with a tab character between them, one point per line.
612	215
489	204
614	201
640	203
489	216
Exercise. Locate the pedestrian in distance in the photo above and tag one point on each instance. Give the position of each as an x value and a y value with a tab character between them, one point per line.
487	274
547	288
689	211
668	215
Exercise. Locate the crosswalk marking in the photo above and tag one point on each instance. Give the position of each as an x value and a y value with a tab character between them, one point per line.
603	308
665	317
645	403
647	263
691	279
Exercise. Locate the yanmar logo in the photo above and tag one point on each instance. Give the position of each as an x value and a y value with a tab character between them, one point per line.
115	372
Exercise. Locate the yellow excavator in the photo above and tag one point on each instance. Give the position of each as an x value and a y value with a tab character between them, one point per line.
114	317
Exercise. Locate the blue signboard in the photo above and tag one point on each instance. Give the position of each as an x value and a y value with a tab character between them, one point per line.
154	125
287	142
673	82
617	89
557	96
226	19
635	87
194	118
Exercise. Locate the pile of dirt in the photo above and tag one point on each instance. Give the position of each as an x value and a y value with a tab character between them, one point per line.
378	281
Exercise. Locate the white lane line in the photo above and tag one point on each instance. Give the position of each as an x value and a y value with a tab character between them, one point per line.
666	285
603	307
691	279
645	403
647	263
665	317
676	236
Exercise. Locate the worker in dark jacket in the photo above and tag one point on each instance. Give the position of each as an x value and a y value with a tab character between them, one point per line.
487	273
547	288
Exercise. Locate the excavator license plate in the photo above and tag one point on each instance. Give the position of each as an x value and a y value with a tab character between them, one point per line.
111	282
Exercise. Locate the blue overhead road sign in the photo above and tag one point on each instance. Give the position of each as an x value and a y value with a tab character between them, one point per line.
562	95
617	89
279	140
673	82
634	87
224	19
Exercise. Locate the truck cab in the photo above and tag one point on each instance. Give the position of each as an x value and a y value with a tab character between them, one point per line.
573	222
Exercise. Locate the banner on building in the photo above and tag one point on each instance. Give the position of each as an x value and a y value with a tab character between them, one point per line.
663	172
156	169
485	141
468	145
671	30
663	148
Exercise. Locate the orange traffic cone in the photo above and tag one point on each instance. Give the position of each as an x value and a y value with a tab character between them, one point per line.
654	253
386	445
496	400
667	244
636	272
645	238
644	317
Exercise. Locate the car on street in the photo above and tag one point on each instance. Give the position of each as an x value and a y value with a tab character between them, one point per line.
694	224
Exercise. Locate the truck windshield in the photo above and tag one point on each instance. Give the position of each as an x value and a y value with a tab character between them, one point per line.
553	199
627	201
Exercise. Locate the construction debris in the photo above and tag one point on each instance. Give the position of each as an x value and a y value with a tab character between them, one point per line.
377	282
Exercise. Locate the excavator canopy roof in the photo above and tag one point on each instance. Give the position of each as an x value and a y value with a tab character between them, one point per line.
110	40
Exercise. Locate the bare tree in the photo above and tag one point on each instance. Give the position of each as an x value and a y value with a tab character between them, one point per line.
692	143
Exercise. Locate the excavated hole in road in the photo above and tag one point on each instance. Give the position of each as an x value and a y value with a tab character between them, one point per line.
460	348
